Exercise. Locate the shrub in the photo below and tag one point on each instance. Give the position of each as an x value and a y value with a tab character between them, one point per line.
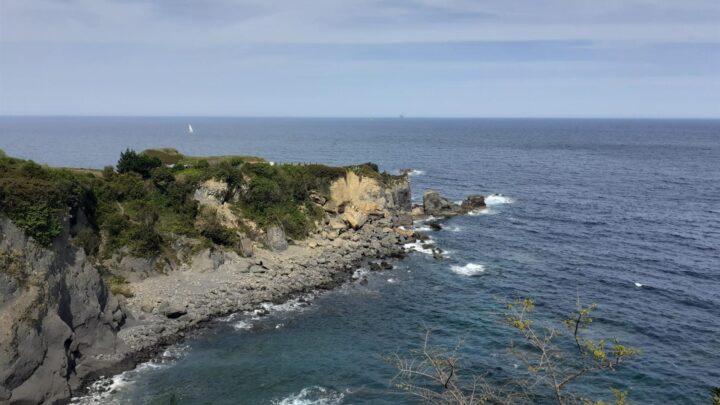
88	240
108	172
144	241
162	177
202	164
36	199
139	163
211	228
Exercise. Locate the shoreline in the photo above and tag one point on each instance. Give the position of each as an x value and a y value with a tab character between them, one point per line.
167	309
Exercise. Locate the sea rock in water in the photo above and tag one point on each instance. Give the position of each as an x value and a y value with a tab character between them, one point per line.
473	202
275	238
435	204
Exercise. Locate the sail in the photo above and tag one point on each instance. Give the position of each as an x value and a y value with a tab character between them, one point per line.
190	130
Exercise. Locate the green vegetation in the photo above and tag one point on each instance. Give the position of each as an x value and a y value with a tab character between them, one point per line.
170	156
139	163
36	198
148	202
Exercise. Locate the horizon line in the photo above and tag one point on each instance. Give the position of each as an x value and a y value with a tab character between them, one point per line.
381	117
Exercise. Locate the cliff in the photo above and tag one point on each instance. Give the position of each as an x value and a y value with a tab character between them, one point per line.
59	321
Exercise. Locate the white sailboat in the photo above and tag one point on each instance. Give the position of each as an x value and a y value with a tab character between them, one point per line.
190	130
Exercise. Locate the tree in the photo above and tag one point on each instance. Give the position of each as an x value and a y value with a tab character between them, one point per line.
434	373
139	163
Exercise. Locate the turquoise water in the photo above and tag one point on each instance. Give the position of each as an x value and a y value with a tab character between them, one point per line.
593	207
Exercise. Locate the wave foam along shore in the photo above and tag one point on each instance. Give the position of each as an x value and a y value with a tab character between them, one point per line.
312	396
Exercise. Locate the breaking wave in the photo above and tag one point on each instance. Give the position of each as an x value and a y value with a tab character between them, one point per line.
105	390
312	396
420	246
497	199
470	269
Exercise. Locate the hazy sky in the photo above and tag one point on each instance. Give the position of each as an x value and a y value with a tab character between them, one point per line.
497	58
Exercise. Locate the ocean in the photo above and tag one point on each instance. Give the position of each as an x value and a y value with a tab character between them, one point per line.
622	213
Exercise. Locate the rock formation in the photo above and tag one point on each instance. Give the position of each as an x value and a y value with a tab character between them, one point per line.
438	206
58	321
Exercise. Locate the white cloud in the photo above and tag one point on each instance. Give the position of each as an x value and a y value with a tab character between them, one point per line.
183	22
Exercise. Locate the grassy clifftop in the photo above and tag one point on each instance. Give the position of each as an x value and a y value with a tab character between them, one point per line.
145	202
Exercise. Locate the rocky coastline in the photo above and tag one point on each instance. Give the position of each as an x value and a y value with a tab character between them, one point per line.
65	327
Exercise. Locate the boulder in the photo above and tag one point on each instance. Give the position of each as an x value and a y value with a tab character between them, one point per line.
337	224
402	220
275	238
211	192
473	202
435	204
244	246
354	217
172	311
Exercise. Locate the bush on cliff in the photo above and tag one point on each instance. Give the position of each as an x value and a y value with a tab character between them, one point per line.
139	163
38	198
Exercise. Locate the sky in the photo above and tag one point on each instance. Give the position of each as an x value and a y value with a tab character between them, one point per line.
361	58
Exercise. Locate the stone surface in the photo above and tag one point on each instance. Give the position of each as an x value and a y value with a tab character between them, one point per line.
59	322
473	202
354	217
275	238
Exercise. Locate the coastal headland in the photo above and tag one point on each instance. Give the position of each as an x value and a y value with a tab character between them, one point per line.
102	269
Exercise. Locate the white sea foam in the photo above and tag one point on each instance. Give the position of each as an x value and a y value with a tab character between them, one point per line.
498	199
470	269
242	325
426	219
423	228
391	281
454	228
638	285
105	390
360	273
290	305
415	172
418	246
484	211
312	396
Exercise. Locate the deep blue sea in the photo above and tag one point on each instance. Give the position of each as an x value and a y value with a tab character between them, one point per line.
592	207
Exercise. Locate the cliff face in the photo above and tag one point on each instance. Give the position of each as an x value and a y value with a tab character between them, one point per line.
368	196
58	322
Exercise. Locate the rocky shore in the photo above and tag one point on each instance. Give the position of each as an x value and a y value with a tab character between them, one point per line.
69	319
166	307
